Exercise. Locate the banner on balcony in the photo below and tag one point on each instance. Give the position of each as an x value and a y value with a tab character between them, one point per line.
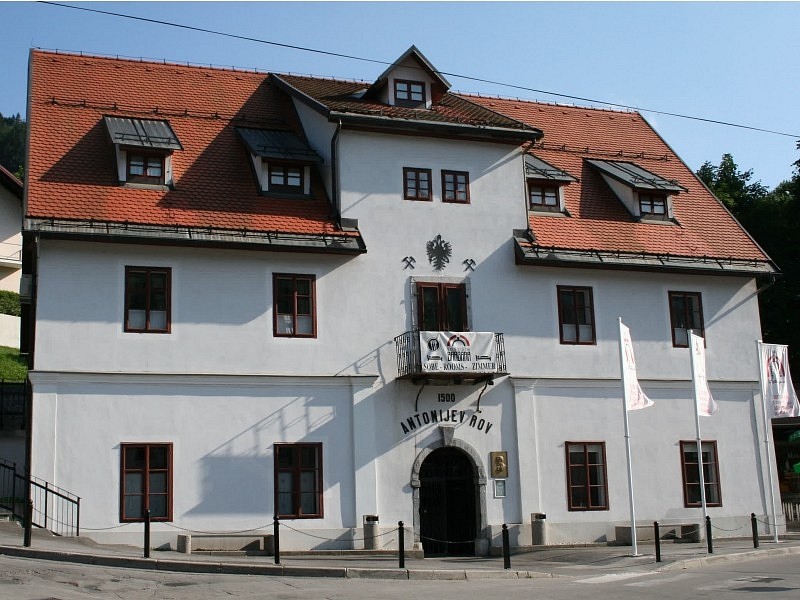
458	351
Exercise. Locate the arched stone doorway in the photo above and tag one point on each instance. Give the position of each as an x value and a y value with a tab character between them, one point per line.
449	485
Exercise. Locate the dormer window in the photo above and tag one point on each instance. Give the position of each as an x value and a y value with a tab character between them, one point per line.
282	161
143	150
409	93
545	185
646	195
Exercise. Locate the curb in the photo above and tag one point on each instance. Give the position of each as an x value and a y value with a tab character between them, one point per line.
693	563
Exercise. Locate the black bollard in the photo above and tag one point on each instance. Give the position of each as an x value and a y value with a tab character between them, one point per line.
658	541
26	538
506	548
401	543
276	539
754	527
708	536
147	533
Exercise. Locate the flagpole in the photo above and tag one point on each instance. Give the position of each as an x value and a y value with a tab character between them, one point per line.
634	545
697	427
767	423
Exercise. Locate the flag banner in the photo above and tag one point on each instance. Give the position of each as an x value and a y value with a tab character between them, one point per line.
458	351
776	382
705	403
635	398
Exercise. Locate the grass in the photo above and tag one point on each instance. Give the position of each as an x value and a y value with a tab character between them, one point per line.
12	366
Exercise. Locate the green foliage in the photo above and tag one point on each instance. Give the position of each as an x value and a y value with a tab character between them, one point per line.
731	185
13	367
9	303
12	143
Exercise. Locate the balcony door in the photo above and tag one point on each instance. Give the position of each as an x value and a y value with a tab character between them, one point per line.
442	306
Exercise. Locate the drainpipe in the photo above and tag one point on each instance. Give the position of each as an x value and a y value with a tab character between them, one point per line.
335	194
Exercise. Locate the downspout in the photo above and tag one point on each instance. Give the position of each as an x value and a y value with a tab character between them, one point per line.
335	193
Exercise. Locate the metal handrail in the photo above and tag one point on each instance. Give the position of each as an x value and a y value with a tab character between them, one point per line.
409	357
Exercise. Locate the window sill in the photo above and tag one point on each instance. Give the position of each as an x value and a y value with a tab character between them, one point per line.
539	212
286	195
147	186
657	220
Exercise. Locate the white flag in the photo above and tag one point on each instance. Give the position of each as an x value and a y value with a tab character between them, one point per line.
705	403
776	382
634	396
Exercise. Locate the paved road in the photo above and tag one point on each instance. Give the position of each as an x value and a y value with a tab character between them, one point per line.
33	579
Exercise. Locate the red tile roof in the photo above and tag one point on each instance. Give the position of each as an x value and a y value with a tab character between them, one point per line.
598	220
72	168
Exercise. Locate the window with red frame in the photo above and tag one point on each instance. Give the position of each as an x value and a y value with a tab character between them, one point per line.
286	178
146	478
576	315
455	186
294	305
145	168
652	205
147	299
587	483
298	480
543	196
685	313
691	473
409	93
416	184
442	306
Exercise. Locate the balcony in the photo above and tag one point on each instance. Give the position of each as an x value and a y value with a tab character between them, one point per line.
450	356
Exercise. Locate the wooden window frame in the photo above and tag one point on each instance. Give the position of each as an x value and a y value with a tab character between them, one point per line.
714	486
589	301
294	277
588	485
408	193
286	188
653	199
148	271
544	186
147	471
409	102
686	314
296	469
454	198
443	318
130	154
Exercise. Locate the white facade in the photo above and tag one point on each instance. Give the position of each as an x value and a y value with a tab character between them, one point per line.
223	390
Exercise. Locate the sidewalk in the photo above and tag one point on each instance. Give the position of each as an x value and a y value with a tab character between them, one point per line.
541	562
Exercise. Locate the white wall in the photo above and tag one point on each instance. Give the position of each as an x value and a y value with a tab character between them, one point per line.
10	240
9	331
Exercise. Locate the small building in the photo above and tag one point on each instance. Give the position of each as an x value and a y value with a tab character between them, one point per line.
263	295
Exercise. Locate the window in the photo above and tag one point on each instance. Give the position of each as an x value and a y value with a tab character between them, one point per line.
409	93
294	305
543	196
145	168
691	474
587	485
576	315
455	186
416	184
685	312
652	205
442	306
146	480
147	299
286	178
298	480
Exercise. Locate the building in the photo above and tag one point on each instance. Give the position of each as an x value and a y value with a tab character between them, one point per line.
10	249
261	294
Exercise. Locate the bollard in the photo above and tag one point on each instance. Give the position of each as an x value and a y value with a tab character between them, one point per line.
658	541
754	527
28	524
276	539
401	551
147	533
506	549
708	536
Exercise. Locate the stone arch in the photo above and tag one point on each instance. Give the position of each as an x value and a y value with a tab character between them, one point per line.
448	440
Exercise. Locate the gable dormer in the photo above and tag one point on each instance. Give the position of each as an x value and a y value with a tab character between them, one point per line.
411	81
646	195
143	149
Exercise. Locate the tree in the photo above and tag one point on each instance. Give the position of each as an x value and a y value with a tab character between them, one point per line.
12	143
731	185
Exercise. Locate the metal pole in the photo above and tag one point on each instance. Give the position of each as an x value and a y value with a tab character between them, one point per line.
708	536
767	450
276	539
506	548
700	472
623	371
754	527
658	541
147	533
401	543
28	524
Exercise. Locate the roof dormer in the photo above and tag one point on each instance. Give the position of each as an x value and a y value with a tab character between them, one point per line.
143	149
646	195
281	159
545	186
411	81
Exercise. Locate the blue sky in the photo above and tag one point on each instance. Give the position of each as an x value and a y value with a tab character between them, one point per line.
728	61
